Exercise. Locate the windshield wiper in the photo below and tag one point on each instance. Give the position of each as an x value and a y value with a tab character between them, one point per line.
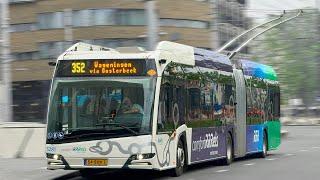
119	125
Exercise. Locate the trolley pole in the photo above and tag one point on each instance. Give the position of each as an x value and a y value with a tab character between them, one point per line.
152	24
5	72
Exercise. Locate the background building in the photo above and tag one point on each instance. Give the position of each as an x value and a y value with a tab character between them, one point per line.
42	29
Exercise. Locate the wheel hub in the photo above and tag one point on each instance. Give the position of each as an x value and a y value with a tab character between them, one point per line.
180	157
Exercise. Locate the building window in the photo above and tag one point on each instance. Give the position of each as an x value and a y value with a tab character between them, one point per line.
25	55
22	27
95	17
20	1
82	18
52	50
104	17
131	17
126	17
184	23
119	42
30	99
51	20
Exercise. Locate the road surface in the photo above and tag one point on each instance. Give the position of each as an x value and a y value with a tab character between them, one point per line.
297	159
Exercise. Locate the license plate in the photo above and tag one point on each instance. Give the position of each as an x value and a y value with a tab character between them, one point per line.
96	162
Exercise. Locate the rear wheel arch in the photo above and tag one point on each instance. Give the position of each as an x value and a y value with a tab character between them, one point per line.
183	137
265	133
179	169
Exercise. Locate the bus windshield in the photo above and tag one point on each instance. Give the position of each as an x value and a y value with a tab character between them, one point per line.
100	108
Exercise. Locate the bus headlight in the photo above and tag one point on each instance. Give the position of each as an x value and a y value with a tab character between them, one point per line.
142	156
54	156
139	157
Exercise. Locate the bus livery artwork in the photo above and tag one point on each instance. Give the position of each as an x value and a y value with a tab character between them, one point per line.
207	143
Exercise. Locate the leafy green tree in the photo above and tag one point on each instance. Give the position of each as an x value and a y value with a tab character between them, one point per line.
293	49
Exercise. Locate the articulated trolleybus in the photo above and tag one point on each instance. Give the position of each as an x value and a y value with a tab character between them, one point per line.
127	108
162	109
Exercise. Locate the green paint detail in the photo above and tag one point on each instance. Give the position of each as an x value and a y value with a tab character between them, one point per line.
274	134
204	123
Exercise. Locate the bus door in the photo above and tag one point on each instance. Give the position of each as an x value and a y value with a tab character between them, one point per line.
240	123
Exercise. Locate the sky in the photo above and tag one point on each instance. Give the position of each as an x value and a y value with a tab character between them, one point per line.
259	9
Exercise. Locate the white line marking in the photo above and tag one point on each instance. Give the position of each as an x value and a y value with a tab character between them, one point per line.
315	147
249	164
289	155
303	150
271	159
222	170
43	168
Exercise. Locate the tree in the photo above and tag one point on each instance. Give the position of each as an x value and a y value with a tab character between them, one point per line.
293	49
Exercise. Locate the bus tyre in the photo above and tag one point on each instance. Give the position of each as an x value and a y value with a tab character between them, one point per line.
181	161
264	152
229	154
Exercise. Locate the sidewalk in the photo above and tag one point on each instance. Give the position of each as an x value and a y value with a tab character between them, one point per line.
22	140
27	168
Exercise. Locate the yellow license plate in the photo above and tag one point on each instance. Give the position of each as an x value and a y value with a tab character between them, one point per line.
96	162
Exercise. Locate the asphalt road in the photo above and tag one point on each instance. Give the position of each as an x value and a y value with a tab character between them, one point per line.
297	159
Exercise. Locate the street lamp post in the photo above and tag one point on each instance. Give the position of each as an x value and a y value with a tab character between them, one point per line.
152	24
5	65
214	34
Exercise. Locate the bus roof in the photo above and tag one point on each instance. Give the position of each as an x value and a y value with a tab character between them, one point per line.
258	70
172	52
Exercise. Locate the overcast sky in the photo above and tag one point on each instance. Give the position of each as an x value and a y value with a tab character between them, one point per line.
258	9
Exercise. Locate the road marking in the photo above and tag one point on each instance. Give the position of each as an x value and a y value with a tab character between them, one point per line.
289	155
249	164
271	159
222	170
303	150
43	168
315	147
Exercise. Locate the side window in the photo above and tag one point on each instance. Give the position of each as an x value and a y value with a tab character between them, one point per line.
210	98
171	112
276	105
165	122
229	107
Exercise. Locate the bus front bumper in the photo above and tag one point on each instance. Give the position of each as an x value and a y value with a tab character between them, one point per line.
113	163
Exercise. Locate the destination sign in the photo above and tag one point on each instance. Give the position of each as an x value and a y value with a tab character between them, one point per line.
71	68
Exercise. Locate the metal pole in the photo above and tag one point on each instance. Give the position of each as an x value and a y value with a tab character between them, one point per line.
152	24
214	34
68	34
5	79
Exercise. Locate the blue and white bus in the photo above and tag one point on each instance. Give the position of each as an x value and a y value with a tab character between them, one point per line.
158	110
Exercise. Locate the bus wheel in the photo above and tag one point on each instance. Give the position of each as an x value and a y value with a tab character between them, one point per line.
229	155
264	152
181	160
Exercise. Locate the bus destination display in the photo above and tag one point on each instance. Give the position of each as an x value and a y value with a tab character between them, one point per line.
71	68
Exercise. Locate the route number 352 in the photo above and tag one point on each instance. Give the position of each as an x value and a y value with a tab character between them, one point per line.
78	67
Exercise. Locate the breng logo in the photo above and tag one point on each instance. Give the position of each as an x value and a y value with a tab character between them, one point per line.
209	141
256	136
